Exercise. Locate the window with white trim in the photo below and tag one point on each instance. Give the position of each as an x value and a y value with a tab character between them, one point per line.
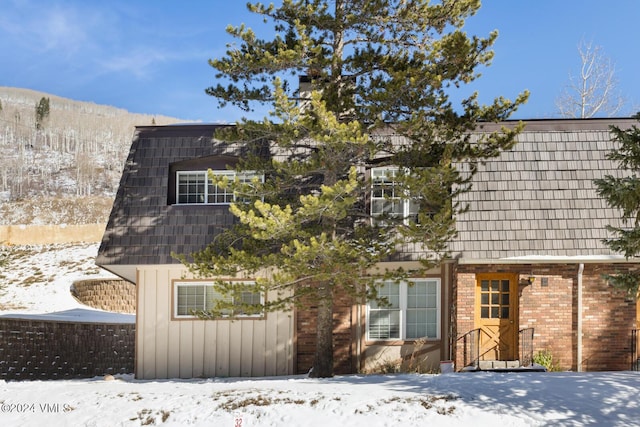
412	312
196	187
387	199
193	297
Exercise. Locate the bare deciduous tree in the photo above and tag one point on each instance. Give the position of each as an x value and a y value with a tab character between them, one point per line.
66	149
594	91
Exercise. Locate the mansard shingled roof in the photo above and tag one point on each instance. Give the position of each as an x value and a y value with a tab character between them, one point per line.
143	227
539	198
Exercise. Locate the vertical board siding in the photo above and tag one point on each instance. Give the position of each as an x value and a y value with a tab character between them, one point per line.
235	347
247	351
204	348
175	339
139	343
209	344
197	356
284	351
259	350
186	348
161	324
147	330
222	349
270	343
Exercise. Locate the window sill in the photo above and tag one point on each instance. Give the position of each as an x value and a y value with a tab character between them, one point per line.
399	342
232	319
198	204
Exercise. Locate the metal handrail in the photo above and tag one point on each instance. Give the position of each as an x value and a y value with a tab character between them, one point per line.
525	338
471	343
471	346
634	350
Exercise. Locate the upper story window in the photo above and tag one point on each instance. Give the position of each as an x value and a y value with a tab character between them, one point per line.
388	199
196	187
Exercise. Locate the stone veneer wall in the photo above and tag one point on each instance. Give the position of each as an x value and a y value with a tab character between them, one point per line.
39	350
114	295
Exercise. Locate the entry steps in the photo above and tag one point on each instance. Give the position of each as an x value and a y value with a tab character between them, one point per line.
503	366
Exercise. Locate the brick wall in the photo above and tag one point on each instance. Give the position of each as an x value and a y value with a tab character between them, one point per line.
550	306
38	350
343	339
117	295
608	318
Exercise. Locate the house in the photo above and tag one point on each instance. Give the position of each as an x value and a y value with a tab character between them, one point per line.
526	275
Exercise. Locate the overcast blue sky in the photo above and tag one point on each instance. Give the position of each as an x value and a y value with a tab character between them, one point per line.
151	56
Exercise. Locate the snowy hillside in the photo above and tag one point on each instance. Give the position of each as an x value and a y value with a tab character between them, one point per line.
56	210
37	279
76	150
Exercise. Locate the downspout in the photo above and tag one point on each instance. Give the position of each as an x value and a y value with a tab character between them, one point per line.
579	340
359	337
448	281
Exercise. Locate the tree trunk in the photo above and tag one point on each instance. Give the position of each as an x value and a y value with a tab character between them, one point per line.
323	360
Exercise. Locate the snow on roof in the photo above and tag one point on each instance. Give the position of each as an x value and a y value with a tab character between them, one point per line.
76	315
550	259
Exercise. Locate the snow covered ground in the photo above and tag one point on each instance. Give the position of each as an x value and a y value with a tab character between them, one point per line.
470	399
36	282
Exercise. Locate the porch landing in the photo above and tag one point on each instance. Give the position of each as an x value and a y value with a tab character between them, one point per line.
503	366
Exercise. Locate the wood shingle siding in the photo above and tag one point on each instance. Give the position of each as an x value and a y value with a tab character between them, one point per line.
539	198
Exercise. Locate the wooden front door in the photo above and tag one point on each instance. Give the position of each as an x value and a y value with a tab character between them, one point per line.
497	315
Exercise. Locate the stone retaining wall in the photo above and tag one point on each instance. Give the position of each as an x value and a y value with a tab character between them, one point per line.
39	350
115	295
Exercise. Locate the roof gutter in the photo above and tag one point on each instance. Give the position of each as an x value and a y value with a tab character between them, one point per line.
612	259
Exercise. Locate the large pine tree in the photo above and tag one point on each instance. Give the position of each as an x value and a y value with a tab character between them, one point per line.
623	193
380	75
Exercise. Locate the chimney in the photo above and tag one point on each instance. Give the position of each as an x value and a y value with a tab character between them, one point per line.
304	91
305	86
